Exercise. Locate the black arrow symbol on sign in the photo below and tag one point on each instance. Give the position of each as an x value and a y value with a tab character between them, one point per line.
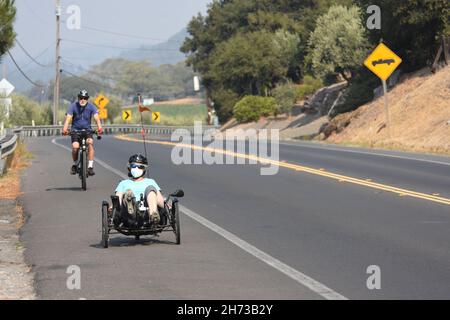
381	61
156	116
127	115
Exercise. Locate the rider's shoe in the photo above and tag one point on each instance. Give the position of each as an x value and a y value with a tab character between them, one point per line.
91	172
155	218
128	200
73	169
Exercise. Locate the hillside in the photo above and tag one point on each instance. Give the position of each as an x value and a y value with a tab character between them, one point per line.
419	111
163	53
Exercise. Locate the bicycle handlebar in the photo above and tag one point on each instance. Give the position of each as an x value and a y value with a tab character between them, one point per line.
85	131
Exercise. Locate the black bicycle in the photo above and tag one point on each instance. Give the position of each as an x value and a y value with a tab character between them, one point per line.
82	163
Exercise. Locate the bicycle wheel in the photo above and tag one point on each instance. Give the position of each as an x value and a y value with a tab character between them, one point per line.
83	170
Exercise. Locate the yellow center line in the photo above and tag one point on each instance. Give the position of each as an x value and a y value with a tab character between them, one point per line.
296	167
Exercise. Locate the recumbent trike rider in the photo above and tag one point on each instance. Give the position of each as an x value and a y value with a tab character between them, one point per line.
138	207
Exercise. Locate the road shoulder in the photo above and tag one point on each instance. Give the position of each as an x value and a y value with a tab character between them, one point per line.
16	278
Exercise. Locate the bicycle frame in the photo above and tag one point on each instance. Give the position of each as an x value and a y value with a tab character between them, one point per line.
82	155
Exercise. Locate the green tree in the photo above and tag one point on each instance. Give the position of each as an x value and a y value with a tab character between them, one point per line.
7	17
130	77
286	95
228	21
309	86
70	87
338	43
411	28
248	63
224	101
114	107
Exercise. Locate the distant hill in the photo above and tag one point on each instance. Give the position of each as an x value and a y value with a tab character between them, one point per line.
163	53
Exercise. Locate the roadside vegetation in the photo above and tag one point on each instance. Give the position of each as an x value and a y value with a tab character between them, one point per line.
7	18
282	49
10	181
171	115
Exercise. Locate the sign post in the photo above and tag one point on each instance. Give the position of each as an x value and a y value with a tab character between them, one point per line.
6	89
383	62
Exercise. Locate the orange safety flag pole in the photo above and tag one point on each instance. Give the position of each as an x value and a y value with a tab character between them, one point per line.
143	109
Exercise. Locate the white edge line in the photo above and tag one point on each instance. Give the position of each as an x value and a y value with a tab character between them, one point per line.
303	279
363	152
298	276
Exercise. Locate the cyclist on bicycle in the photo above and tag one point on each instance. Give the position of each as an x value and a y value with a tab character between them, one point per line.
81	113
131	189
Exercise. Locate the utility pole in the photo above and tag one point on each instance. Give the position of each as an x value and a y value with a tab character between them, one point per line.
57	63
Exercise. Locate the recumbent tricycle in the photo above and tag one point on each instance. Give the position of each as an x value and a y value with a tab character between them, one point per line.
138	224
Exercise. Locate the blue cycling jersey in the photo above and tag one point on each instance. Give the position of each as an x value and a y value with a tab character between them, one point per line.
81	115
138	187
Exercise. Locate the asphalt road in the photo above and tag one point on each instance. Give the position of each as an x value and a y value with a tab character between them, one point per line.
292	234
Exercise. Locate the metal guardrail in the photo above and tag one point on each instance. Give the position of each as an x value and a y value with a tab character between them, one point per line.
8	145
8	141
47	131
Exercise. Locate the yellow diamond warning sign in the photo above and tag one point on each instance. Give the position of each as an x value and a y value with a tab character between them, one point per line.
103	114
383	62
101	101
126	115
156	117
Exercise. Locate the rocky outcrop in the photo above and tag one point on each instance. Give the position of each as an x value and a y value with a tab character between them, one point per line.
325	99
337	125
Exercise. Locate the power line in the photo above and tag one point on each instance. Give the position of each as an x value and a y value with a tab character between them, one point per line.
121	48
39	55
119	34
88	71
33	12
29	56
82	59
23	73
88	80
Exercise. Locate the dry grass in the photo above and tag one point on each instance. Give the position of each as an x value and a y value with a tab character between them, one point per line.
419	112
10	182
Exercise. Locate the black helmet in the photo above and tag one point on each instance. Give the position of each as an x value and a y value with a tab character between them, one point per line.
139	159
83	94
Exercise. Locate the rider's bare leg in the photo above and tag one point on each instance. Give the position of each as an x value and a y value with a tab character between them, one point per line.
152	202
75	148
120	195
90	143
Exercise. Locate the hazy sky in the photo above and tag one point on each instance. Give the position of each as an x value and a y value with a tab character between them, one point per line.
155	19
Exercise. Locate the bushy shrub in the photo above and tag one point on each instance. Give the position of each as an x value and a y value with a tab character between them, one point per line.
251	108
309	86
285	95
24	111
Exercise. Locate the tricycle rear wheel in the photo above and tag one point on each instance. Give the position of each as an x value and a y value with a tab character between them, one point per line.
176	222
105	225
